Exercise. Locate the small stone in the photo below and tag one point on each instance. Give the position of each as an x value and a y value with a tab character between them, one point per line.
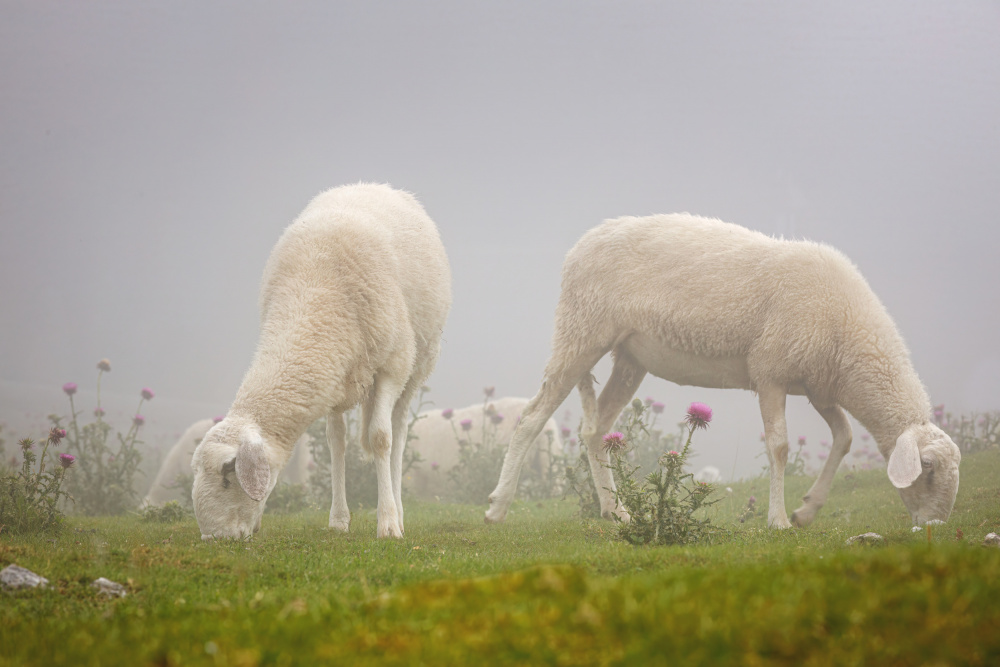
866	538
916	529
992	540
109	588
14	576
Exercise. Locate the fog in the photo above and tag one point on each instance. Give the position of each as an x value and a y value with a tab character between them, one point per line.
152	153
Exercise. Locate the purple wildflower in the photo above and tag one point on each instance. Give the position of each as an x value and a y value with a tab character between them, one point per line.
447	414
751	501
802	441
698	415
216	420
435	465
566	432
497	418
865	437
69	388
488	391
66	460
466	424
104	365
98	412
147	394
138	420
614	442
650	400
56	434
821	456
673	452
658	407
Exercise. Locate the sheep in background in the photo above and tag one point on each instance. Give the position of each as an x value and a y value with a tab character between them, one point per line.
710	304
178	463
436	441
353	301
709	474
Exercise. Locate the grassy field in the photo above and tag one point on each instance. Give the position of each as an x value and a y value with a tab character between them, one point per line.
543	588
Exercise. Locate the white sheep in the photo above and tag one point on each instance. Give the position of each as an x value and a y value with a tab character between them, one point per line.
706	303
438	446
353	301
177	463
709	474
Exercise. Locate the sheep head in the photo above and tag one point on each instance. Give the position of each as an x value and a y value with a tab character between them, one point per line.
924	467
233	477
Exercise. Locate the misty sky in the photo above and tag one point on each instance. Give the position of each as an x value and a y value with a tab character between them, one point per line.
152	153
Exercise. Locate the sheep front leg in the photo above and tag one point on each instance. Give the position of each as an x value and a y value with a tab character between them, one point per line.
377	439
336	440
816	497
555	389
772	409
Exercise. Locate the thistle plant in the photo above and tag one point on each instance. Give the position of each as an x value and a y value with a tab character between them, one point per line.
479	459
29	498
972	433
664	505
105	480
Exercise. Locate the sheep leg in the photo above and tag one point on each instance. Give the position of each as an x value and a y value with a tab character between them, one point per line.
555	388
816	497
772	409
336	440
626	375
377	439
399	433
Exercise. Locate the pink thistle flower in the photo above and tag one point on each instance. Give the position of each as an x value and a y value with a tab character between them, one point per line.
98	412
751	501
614	442
497	418
802	441
466	424
488	391
698	415
435	465
673	452
821	456
69	388
763	438
649	400
447	414
138	420
147	394
658	407
56	434
825	444
216	420
566	432
572	442
865	437
66	460
981	421
104	365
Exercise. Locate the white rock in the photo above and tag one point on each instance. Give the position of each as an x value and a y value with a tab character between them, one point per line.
916	529
992	540
109	588
14	576
866	538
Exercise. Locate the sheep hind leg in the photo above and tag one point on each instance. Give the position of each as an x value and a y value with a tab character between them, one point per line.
399	434
772	410
336	440
626	375
558	383
816	497
377	440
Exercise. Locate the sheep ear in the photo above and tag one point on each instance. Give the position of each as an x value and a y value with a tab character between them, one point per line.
904	462
253	470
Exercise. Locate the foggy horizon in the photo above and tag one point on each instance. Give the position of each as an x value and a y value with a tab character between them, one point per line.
153	154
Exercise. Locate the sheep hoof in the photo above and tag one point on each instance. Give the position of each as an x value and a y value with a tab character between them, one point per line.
781	523
803	516
390	531
341	525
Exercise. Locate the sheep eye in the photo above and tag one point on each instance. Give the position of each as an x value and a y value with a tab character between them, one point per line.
926	463
228	467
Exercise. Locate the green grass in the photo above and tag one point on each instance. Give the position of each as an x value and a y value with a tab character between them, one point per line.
542	588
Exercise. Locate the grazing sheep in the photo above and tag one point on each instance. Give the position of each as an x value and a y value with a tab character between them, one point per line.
353	301
706	303
178	463
436	441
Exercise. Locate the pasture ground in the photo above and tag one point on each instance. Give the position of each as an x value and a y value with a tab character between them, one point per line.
543	588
